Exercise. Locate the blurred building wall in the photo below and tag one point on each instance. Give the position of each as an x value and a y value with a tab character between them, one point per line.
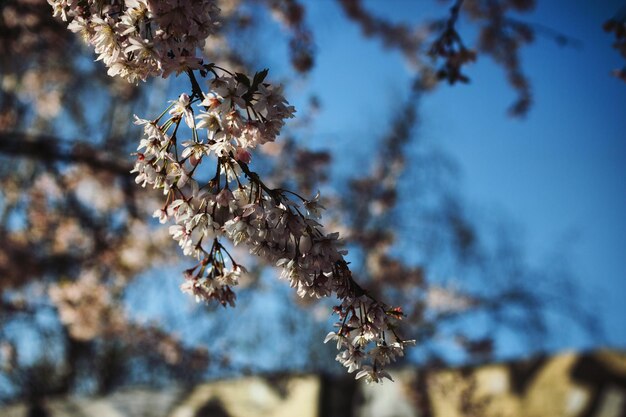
568	385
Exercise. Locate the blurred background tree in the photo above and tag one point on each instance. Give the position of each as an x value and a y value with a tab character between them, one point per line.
88	281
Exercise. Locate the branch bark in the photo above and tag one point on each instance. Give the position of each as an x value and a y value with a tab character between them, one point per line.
48	148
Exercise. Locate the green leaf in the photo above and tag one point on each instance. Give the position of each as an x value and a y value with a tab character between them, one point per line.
243	79
259	77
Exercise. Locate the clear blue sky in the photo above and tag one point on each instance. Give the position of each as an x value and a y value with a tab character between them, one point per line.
559	173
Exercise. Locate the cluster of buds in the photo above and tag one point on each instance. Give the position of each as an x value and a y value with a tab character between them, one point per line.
236	115
455	55
137	39
450	48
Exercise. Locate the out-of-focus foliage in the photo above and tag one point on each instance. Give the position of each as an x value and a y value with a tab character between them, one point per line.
617	26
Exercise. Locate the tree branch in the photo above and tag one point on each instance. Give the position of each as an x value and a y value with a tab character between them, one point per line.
49	148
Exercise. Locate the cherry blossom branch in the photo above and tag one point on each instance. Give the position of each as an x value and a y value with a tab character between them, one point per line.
236	114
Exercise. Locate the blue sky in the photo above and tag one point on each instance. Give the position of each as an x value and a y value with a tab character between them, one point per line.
559	173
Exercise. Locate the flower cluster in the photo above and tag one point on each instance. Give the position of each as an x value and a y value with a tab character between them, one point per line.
236	115
211	278
241	113
86	307
137	39
366	339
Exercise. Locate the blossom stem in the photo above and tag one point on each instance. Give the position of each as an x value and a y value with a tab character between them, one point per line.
253	176
196	91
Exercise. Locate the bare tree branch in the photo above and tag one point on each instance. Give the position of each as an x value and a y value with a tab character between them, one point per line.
49	148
